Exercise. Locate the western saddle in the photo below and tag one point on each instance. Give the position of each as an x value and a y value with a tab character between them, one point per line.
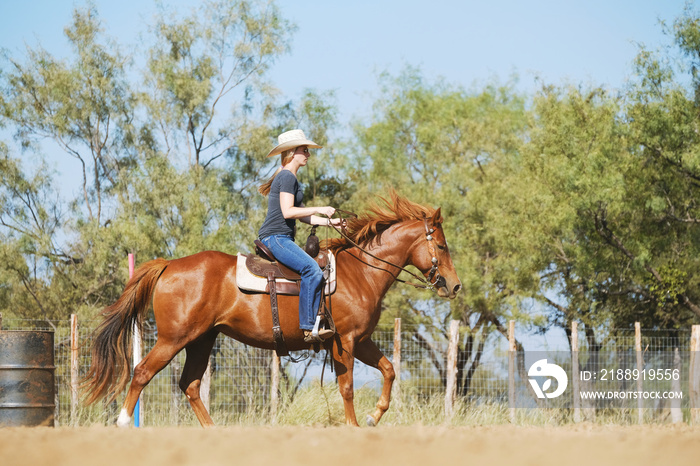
264	264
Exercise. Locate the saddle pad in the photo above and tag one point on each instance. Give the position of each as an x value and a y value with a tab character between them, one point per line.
249	282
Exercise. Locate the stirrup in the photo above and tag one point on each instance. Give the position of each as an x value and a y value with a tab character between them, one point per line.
309	337
321	330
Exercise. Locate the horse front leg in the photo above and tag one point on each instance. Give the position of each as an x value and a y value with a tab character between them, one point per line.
344	360
368	353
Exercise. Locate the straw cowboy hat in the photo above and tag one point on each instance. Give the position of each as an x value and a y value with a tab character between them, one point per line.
291	140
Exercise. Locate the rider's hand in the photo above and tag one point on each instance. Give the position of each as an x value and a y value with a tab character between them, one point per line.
328	211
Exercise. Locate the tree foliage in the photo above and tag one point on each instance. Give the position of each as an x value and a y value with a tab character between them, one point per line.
84	106
149	142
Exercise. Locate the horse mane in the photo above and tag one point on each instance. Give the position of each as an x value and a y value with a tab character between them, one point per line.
370	225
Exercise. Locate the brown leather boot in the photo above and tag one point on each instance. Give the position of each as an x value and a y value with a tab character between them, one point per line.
309	337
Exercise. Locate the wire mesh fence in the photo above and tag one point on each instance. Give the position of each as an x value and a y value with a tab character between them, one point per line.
241	389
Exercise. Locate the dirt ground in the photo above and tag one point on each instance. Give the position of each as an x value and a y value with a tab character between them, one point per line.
590	445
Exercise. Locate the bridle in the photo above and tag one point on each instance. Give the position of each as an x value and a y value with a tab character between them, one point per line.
434	271
434	279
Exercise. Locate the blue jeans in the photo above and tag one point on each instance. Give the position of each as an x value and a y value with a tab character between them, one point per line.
290	254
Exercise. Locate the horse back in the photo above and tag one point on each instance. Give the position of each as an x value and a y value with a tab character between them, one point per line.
196	288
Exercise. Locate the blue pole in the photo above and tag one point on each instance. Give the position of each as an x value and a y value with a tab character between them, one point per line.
137	413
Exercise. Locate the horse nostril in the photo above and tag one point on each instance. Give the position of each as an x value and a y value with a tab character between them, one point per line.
457	288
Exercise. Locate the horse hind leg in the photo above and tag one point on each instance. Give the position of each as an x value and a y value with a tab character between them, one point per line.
195	365
156	359
368	353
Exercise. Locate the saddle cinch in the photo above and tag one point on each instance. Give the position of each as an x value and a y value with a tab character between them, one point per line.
264	274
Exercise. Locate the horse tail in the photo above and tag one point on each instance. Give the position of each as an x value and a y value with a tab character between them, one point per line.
110	370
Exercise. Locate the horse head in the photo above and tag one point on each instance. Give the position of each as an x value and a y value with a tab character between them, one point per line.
431	255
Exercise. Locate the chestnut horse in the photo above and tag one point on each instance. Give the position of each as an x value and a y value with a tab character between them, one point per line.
195	298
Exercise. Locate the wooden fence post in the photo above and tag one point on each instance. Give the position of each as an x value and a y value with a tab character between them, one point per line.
451	370
205	387
511	369
694	375
274	387
640	368
676	412
575	381
74	369
175	392
396	361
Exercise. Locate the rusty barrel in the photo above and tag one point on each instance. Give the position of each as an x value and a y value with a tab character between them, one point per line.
26	378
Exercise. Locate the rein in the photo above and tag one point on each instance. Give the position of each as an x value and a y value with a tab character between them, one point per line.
428	284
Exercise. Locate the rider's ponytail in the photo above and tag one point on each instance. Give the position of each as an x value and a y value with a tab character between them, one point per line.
285	158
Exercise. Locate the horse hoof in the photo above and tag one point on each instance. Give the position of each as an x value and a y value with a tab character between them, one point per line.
124	419
370	421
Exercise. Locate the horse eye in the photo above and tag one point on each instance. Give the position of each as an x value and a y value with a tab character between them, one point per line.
442	247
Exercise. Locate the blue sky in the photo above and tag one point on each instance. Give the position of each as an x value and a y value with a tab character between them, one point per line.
344	45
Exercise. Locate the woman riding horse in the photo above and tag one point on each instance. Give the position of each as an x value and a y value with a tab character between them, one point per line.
196	297
285	205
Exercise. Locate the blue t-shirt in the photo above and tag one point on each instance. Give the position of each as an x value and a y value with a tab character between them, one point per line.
275	223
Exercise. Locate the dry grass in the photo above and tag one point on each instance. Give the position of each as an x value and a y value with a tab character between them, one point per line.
317	405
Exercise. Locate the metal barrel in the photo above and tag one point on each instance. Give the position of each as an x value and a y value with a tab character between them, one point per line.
27	389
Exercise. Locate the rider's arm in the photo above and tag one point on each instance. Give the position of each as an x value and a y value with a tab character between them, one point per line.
305	214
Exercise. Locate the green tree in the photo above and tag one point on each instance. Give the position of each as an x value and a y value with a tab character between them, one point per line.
663	115
578	172
85	106
198	63
31	219
617	177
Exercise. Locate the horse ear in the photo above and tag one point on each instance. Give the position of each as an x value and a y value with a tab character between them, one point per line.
437	217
